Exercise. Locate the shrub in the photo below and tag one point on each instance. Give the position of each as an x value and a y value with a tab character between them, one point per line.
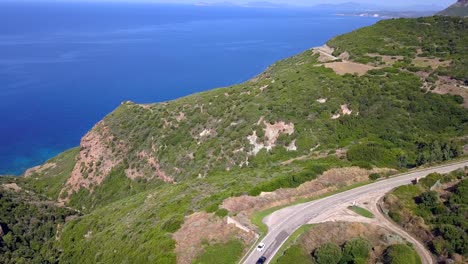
328	253
357	248
172	224
401	254
222	212
374	176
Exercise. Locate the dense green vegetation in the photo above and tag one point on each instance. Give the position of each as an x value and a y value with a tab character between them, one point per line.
438	37
228	253
115	187
328	253
354	251
401	254
443	214
28	226
206	150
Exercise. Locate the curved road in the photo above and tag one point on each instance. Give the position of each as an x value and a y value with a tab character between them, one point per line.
282	223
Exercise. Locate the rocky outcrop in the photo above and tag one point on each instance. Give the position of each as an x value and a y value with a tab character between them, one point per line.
98	156
100	153
272	132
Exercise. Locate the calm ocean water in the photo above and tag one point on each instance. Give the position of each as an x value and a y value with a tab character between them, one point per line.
63	67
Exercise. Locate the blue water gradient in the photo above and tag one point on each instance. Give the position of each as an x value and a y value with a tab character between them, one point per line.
63	67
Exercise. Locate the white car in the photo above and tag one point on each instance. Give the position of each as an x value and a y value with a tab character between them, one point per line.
261	247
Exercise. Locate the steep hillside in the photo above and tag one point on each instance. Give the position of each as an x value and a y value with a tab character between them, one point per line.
435	211
140	170
29	225
460	8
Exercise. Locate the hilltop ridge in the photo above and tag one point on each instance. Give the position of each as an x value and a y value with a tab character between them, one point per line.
460	8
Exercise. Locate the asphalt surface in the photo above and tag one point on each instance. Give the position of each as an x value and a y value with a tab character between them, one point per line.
282	223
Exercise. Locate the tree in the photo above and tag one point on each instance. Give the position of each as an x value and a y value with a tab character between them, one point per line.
328	253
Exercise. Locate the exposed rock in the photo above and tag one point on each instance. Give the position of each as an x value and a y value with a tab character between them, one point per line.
95	161
292	146
344	56
181	117
253	139
272	132
335	116
206	133
345	110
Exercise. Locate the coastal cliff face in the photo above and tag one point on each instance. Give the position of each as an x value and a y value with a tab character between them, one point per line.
389	96
290	110
460	8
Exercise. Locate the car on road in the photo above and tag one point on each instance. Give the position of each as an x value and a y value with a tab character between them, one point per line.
261	247
261	260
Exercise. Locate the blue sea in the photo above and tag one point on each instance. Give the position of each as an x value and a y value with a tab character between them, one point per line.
63	67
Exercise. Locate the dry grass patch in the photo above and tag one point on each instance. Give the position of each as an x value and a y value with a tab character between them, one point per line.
201	229
434	63
388	60
446	85
345	67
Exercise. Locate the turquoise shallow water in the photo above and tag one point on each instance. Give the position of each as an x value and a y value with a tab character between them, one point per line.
63	67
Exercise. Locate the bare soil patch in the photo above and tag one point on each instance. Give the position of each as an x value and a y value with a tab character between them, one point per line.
203	228
434	63
446	85
39	169
345	67
388	60
11	187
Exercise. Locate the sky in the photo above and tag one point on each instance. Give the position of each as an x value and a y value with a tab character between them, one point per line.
291	2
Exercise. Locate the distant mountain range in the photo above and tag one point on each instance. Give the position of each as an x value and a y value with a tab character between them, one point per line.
460	8
343	7
256	4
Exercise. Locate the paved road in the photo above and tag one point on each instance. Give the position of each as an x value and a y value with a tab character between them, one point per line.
281	224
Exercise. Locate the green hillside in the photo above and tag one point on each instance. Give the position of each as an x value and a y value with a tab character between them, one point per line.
460	8
435	211
143	168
